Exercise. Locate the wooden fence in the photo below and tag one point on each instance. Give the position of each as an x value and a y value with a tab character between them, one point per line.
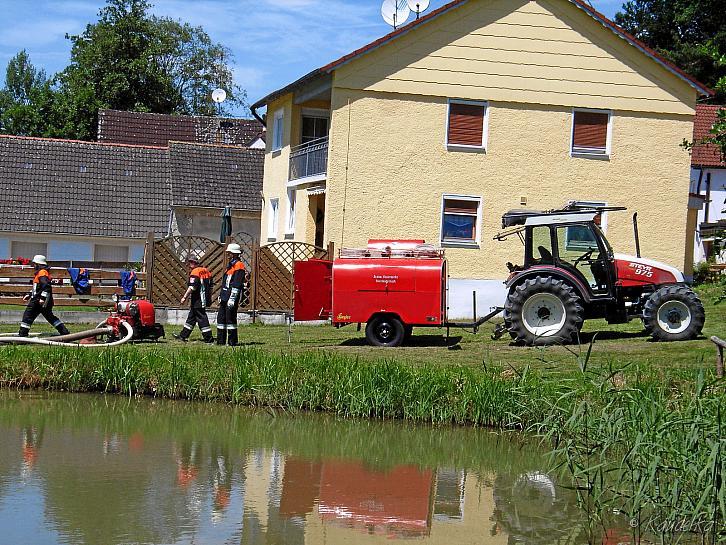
16	281
269	268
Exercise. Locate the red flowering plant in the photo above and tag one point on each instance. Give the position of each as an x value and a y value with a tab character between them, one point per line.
15	261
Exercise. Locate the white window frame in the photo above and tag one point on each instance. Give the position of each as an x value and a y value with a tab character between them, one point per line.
462	243
485	126
272	218
609	139
278	129
291	203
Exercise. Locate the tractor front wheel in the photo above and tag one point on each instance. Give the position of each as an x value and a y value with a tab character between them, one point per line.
385	330
674	313
543	311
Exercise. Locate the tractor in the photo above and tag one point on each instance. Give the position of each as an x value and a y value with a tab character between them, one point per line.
571	274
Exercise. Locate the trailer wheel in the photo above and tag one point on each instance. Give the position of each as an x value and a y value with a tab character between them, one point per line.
674	313
385	330
543	311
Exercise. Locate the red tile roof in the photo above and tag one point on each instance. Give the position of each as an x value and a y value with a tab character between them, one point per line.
705	155
160	129
599	17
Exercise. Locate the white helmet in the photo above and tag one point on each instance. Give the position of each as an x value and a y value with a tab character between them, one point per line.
40	260
234	248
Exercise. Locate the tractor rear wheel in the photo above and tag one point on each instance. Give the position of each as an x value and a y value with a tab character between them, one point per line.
543	311
674	313
385	330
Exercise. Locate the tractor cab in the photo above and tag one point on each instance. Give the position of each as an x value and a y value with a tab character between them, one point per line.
570	243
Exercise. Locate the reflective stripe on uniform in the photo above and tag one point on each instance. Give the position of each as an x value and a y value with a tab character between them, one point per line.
24	325
57	323
231	326
206	330
221	326
45	294
189	327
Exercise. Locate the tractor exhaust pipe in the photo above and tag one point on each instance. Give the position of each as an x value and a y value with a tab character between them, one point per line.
637	236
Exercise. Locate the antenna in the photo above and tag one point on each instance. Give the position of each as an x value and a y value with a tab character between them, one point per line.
219	96
418	6
395	12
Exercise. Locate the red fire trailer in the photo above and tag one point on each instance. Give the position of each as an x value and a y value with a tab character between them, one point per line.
391	285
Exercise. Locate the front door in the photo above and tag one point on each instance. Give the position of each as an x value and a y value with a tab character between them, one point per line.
580	252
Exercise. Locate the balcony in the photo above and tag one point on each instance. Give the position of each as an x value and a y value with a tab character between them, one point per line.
309	162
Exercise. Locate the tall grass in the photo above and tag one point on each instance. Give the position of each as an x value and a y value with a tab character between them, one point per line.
649	455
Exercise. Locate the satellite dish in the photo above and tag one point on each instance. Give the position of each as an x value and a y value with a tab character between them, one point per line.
418	6
395	12
219	96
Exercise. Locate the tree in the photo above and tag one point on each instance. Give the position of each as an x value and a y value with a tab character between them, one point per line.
27	100
690	33
131	60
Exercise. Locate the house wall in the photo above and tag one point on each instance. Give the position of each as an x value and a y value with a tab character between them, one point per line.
717	208
539	52
207	222
277	165
68	247
399	169
532	62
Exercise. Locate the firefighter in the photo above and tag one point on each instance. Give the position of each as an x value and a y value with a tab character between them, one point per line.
40	299
229	299
199	293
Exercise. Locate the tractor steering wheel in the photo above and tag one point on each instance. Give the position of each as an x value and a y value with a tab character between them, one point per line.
584	257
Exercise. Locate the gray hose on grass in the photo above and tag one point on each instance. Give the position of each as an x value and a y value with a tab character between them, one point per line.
63	339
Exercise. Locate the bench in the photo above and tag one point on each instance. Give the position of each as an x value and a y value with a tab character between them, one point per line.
16	281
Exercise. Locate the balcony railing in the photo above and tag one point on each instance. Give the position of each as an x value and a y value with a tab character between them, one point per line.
309	159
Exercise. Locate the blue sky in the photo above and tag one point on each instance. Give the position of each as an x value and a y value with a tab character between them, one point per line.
274	41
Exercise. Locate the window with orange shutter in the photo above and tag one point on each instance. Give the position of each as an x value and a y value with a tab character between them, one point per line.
590	133
466	125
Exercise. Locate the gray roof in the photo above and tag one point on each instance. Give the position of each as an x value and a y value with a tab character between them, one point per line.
83	188
94	189
216	176
141	128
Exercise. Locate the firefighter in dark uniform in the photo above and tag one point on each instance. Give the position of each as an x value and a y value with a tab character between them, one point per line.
199	293
40	300
230	297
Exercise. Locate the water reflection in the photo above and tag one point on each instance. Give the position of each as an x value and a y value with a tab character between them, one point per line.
103	470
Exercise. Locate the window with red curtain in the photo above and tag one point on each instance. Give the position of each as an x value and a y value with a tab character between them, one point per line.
466	124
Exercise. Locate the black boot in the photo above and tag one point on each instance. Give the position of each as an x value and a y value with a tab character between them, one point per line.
23	332
232	337
62	329
221	336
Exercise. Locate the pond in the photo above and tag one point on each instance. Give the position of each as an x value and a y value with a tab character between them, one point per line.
92	469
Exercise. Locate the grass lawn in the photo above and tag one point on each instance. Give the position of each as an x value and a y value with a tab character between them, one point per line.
614	344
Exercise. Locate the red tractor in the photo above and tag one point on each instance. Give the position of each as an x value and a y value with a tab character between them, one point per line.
571	274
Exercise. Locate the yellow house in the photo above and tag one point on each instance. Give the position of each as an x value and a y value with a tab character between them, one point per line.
438	128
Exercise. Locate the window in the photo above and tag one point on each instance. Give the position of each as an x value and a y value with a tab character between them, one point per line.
291	197
578	250
272	219
277	130
591	131
114	254
460	219
27	249
313	127
602	218
466	125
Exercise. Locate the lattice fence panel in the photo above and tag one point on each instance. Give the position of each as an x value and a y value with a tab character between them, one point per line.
274	273
170	272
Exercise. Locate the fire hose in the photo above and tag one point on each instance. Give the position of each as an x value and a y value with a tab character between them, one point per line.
66	340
